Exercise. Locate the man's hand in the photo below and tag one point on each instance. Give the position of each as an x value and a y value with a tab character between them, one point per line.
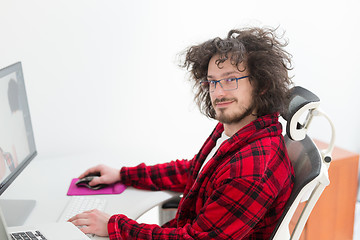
93	222
108	175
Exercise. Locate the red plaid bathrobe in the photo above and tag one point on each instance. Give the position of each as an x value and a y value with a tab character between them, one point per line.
240	194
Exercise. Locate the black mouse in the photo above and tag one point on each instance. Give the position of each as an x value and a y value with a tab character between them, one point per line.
84	182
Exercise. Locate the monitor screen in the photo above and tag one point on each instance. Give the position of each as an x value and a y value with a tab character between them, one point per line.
17	145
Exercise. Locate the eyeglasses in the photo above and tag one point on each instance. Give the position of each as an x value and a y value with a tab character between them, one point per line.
227	84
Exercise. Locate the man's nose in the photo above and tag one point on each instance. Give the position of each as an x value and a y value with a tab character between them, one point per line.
218	91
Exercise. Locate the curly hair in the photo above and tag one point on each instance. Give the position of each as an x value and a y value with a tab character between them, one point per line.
263	54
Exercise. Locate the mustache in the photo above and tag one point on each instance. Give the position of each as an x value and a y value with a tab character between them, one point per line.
220	100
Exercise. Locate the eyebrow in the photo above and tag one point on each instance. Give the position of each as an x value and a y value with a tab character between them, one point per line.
226	74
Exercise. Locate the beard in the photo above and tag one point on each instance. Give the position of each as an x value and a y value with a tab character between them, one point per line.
235	117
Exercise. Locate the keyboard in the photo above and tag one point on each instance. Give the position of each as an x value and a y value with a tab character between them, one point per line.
27	235
79	204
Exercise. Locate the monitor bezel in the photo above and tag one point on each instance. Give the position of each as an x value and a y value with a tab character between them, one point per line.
6	182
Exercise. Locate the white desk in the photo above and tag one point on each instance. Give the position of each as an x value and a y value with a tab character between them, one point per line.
47	182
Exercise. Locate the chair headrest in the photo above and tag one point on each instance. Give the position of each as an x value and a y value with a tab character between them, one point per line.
301	101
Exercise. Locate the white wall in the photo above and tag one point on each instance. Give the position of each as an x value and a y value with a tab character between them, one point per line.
102	75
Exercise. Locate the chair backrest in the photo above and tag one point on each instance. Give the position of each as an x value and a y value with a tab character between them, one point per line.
309	163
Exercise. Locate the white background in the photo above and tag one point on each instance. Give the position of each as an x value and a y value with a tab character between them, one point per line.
104	76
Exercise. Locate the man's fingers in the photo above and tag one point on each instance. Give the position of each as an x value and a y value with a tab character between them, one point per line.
87	172
85	229
95	181
81	222
83	215
95	169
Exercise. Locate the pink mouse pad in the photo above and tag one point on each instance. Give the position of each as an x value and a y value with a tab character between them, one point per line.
115	188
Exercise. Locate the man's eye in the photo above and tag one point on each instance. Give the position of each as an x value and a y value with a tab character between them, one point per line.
231	79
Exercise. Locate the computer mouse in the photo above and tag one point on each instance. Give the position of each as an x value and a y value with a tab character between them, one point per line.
84	182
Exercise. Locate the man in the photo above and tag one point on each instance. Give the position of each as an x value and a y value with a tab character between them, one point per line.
236	187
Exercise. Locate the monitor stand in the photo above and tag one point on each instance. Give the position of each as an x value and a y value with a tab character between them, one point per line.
16	211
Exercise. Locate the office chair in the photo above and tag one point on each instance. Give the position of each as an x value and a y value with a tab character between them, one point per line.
310	165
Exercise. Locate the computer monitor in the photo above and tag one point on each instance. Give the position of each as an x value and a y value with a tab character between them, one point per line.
17	145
